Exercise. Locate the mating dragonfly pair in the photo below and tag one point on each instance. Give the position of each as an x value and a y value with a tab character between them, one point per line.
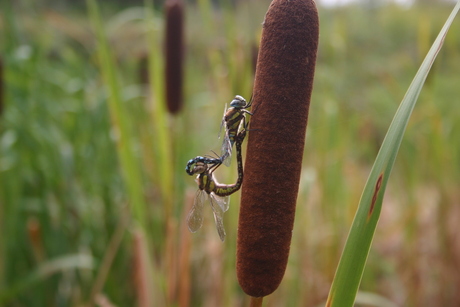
209	190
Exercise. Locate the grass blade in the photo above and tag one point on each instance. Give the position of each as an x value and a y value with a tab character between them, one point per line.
159	114
44	271
120	122
350	270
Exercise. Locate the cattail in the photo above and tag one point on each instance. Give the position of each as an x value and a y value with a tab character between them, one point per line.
254	55
282	91
174	54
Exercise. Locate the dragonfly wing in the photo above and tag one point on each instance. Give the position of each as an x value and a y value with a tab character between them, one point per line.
223	202
226	150
223	121
218	215
195	217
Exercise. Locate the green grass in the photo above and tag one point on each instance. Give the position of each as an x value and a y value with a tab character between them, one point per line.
60	168
352	262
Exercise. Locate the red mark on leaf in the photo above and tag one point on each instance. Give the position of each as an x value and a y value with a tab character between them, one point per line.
376	191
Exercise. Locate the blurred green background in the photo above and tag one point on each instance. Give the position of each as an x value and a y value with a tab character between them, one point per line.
72	161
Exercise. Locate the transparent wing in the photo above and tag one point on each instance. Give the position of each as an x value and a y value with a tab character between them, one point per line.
227	145
218	214
226	149
195	217
222	201
223	121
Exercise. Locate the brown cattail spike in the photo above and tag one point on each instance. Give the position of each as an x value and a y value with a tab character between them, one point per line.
282	90
174	54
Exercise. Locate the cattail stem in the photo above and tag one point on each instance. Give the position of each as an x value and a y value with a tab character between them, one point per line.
281	99
256	301
174	54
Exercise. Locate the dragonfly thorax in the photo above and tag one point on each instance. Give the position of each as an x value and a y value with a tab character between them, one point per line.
206	182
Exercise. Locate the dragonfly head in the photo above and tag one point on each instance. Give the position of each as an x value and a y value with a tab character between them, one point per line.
194	165
200	165
238	102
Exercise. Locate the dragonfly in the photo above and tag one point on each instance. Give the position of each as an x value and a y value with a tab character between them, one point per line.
209	190
234	117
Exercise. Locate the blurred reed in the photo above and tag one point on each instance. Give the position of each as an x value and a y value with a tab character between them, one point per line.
2	94
142	278
34	231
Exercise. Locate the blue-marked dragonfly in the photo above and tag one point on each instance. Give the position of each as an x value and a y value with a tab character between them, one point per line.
234	118
209	190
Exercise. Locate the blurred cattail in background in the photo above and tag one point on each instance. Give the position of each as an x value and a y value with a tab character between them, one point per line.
174	48
282	90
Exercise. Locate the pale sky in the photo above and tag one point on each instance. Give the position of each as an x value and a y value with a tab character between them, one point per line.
343	2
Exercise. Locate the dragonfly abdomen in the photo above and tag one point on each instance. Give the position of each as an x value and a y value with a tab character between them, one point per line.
227	189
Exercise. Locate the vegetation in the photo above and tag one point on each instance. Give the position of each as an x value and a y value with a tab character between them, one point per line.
68	205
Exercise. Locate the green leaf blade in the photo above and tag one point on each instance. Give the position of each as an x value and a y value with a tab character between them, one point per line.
350	270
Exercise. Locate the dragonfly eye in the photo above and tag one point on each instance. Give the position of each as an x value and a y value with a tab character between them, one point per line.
238	102
188	169
199	168
192	165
